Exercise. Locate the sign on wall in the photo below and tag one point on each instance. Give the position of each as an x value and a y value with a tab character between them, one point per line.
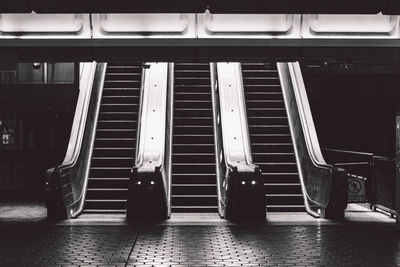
8	131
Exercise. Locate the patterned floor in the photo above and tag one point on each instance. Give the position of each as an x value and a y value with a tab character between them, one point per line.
206	245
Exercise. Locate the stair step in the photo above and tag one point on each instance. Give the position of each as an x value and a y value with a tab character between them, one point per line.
110	172
286	208
193	121
194	200
271	143
127	115
194	178
119	99
195	129
109	183
194	158
104	205
194	209
116	124
252	94
114	146
200	148
106	194
261	139
193	163
194	189
106	211
187	168
181	96
119	107
283	189
192	140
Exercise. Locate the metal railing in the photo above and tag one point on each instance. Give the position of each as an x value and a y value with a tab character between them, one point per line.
66	184
378	172
324	186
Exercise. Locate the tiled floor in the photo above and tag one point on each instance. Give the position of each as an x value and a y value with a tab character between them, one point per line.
65	245
16	211
333	245
364	239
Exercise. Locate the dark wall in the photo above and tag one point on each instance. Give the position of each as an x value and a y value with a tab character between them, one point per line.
41	118
355	111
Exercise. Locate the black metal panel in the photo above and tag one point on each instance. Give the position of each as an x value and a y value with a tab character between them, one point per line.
298	7
14	6
199	6
392	8
118	6
202	54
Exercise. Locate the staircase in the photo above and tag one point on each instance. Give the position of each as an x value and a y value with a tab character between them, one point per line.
194	186
114	147
271	143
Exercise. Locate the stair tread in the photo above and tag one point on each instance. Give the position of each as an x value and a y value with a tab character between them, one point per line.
258	100
191	81
121	84
103	200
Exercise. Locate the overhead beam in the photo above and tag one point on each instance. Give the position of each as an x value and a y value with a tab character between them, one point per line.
200	6
202	50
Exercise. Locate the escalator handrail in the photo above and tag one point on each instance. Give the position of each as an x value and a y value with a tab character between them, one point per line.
147	156
222	167
73	173
169	134
307	121
233	117
307	126
86	80
139	118
99	84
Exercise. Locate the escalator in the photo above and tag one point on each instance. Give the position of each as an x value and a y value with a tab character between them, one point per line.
193	161
271	143
115	140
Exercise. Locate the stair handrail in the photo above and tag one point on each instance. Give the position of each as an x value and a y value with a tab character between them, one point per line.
324	186
69	180
153	141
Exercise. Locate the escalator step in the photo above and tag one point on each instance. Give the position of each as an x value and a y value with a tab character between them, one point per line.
271	143
114	146
194	178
